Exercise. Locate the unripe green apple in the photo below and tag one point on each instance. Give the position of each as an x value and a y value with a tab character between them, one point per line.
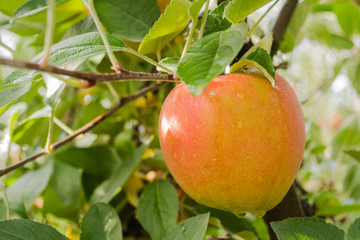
237	146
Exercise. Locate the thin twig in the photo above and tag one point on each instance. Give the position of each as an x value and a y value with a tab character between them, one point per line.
87	127
91	78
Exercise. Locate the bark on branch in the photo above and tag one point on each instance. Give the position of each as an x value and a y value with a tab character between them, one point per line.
91	78
282	24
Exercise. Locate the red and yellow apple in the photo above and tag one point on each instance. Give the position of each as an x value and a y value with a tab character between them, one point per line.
238	145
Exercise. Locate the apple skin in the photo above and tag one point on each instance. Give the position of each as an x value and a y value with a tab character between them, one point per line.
238	145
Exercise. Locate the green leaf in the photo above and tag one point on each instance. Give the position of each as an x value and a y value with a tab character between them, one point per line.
209	56
346	138
237	10
354	72
216	21
23	192
353	232
32	127
323	34
229	221
80	47
66	181
348	15
355	153
288	43
21	229
293	34
259	59
170	23
337	210
65	52
101	222
339	42
306	229
32	7
111	186
54	205
68	51
190	229
158	208
8	95
170	63
265	43
85	26
131	20
96	161
9	9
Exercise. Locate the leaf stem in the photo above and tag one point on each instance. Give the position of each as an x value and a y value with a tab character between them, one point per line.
190	37
99	26
261	18
112	90
7	204
203	21
50	132
10	50
49	32
63	126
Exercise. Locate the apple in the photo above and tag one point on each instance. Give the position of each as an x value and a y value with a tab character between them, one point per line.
238	145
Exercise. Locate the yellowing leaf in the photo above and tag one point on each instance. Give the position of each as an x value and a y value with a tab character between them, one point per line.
131	188
140	102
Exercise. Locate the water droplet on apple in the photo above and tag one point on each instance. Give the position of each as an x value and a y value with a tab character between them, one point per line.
240	95
239	124
259	213
213	159
240	214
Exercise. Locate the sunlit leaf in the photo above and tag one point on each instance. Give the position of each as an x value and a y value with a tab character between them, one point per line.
237	10
216	21
170	23
259	59
209	56
32	7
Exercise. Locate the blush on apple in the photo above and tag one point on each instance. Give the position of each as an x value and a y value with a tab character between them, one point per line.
237	146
